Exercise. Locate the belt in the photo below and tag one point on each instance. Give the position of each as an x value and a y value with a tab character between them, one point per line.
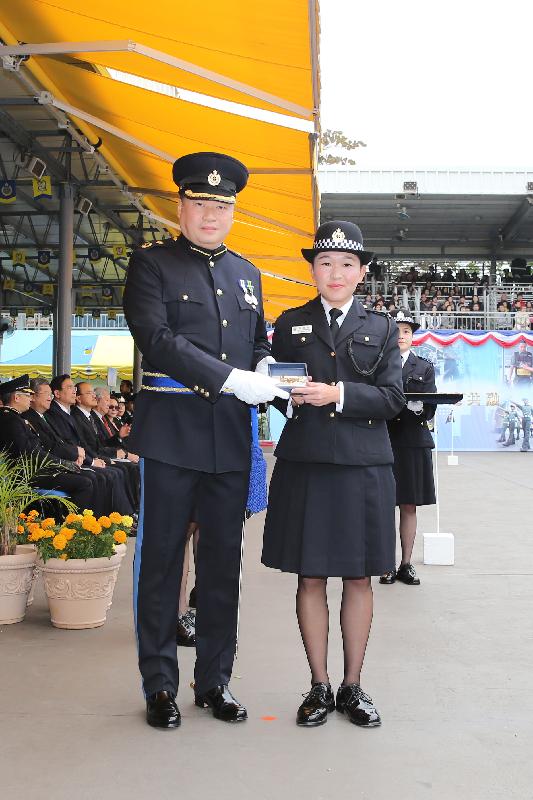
159	382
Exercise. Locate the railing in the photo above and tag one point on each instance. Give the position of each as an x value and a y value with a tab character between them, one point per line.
470	321
88	322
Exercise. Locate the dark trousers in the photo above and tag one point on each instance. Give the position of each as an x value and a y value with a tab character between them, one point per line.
168	495
78	487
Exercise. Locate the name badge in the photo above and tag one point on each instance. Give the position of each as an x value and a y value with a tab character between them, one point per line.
302	328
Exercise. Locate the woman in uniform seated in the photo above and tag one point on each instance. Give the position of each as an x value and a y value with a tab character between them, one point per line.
412	443
331	505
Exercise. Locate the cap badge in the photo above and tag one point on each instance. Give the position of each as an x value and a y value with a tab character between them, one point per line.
214	178
338	235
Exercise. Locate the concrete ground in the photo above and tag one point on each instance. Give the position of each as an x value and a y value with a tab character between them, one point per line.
449	665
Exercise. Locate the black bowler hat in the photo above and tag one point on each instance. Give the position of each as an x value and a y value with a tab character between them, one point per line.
209	176
20	384
338	235
406	318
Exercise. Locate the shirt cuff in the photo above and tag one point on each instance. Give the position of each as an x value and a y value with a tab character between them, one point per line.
340	405
290	410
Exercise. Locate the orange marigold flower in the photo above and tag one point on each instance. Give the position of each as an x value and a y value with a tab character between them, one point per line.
115	517
105	522
49	522
63	556
97	529
48	533
59	541
120	537
71	518
22	516
33	513
88	523
68	533
20	529
34	526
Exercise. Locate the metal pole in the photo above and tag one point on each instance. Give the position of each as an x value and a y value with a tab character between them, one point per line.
63	320
137	371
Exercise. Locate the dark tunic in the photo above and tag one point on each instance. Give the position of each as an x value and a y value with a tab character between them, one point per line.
331	505
411	438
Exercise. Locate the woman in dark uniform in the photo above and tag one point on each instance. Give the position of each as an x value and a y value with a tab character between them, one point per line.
331	504
412	443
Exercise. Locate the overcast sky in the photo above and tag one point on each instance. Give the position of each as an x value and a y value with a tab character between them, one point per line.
430	84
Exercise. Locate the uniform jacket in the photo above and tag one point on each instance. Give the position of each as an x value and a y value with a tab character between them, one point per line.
18	437
358	434
66	428
408	429
191	322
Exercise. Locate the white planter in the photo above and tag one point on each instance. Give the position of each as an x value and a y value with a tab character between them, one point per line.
120	550
28	548
79	592
16	574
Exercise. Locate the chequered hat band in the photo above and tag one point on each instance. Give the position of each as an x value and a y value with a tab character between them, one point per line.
337	244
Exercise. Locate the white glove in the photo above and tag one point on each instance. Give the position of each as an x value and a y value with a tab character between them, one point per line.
262	366
415	405
252	387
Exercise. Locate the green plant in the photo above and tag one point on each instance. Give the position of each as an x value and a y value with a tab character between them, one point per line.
79	536
17	493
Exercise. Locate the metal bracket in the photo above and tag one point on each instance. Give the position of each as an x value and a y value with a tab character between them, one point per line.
12	63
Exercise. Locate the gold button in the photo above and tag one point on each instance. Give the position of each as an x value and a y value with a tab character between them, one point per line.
367	338
185	297
211	263
332	354
223	356
224	323
220	292
195	388
302	338
332	414
295	416
206	394
370	422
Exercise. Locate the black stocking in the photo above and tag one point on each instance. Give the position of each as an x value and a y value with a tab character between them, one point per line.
313	619
356	619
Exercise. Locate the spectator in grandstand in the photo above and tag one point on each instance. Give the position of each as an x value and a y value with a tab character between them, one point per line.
126	388
425	303
447	319
529	309
521	319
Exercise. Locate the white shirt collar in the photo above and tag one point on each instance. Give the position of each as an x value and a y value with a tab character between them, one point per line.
101	416
84	411
344	309
66	409
405	356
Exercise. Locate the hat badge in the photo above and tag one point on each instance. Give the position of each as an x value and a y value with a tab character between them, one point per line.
338	235
213	178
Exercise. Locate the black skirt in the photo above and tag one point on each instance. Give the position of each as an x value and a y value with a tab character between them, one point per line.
413	470
329	520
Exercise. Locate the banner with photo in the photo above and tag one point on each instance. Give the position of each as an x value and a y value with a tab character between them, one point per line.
494	371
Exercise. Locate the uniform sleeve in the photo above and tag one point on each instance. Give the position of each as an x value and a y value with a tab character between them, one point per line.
170	353
384	398
279	353
261	343
429	385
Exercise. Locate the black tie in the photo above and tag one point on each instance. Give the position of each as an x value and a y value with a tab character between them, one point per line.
334	326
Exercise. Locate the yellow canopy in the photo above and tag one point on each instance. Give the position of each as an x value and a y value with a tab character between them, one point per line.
264	57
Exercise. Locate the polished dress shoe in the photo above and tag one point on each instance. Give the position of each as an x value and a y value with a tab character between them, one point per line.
406	573
316	706
162	711
357	706
223	704
186	630
388	578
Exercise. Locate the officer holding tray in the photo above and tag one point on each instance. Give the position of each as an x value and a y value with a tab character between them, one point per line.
195	311
332	494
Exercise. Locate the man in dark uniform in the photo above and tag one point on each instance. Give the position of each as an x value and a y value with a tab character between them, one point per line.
522	366
17	437
195	311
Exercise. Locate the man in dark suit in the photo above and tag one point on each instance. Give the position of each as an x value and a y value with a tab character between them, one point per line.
17	437
40	402
60	417
195	311
89	425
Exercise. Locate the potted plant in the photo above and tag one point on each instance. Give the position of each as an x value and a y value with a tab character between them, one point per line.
79	560
17	561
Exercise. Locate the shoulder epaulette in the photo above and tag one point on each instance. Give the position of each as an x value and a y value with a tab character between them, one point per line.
380	313
429	361
144	245
240	255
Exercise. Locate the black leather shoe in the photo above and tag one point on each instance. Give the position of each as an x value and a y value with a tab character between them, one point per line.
224	705
162	711
357	706
316	706
388	577
406	573
186	630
